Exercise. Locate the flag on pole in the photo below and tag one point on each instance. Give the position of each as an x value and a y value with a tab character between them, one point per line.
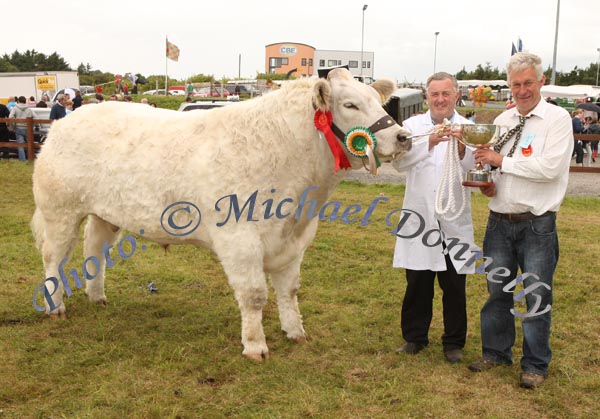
513	50
520	45
172	51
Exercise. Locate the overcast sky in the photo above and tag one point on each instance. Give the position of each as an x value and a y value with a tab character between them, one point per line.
129	36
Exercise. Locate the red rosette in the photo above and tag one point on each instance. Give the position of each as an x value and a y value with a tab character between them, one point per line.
323	120
526	151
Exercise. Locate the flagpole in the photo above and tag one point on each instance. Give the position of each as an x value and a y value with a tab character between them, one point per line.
166	66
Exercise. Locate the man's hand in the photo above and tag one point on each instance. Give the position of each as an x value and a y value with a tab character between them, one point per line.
485	155
435	139
488	190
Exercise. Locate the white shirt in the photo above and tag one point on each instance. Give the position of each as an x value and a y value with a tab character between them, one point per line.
535	183
424	170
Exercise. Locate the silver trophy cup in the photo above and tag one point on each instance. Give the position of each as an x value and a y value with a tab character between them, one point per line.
479	136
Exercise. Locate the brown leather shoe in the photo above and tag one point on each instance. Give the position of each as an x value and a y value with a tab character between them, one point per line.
411	348
483	364
531	380
454	356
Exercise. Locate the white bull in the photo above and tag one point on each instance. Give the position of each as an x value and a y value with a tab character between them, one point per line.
121	165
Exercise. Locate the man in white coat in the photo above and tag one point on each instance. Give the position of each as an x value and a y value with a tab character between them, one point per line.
427	245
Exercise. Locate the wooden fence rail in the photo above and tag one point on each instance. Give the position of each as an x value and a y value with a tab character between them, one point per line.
30	144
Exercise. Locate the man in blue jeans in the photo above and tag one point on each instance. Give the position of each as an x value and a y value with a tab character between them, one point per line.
532	161
21	111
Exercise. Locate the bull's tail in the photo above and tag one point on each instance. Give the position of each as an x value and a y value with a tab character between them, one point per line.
38	227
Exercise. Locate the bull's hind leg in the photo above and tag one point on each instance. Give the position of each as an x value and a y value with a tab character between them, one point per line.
286	283
99	237
244	268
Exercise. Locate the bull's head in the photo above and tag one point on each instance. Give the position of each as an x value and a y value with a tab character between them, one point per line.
359	121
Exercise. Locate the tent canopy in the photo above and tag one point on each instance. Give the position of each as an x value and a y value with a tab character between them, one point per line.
577	91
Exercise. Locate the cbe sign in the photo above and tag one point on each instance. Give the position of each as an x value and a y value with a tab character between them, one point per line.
45	82
287	50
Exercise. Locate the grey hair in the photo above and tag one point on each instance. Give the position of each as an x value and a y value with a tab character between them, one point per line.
59	97
521	61
442	75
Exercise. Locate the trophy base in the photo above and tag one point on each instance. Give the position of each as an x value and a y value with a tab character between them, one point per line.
478	179
477	184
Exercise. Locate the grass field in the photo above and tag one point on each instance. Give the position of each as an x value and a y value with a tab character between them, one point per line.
177	353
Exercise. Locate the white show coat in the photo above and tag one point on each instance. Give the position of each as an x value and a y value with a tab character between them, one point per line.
424	168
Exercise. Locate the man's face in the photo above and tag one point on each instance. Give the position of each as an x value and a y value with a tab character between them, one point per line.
526	89
441	97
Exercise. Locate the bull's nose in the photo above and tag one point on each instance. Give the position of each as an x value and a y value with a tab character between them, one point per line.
402	138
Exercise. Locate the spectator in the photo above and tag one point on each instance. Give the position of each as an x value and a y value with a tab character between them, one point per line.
58	111
594	128
4	134
32	103
43	103
144	101
99	97
21	110
153	104
77	100
69	106
11	102
578	129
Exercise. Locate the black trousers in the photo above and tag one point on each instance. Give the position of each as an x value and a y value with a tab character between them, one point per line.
417	307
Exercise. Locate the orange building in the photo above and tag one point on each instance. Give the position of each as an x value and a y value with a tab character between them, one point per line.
284	57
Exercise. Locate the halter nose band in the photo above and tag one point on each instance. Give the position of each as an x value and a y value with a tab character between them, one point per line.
384	122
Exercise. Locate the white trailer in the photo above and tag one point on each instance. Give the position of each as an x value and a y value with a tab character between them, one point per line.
36	83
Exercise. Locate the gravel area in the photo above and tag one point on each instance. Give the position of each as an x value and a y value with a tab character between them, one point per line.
580	184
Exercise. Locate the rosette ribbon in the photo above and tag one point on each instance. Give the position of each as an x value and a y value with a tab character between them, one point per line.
323	121
361	142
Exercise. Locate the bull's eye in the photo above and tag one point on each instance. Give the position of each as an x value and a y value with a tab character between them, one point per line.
350	106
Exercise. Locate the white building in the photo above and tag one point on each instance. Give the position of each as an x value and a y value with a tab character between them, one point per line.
331	58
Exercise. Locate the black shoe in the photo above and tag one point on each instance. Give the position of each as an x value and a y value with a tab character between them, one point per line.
411	348
453	356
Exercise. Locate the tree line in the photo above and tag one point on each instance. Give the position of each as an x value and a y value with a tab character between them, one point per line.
32	60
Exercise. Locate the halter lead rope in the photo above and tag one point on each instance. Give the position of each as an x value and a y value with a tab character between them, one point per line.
452	171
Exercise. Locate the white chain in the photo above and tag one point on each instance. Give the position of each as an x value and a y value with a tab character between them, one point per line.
452	172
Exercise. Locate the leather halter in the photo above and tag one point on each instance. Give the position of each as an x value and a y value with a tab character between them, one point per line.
383	122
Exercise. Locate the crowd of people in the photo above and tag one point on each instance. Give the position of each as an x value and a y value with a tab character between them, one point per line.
19	107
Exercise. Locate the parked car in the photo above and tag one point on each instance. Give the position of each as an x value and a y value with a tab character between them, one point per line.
202	105
210	92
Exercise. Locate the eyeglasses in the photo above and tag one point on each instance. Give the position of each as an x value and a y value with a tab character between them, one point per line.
528	84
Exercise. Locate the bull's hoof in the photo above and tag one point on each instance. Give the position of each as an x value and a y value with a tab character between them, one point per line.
58	315
258	357
301	339
101	301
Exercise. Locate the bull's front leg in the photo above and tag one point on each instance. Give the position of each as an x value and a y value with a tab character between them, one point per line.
251	298
246	277
286	283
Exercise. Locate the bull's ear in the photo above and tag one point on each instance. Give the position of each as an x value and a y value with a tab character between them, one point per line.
340	74
321	91
385	88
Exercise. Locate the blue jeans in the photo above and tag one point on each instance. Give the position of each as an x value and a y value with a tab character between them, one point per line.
21	135
533	247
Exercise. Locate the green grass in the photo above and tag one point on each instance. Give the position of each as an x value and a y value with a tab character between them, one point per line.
177	353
